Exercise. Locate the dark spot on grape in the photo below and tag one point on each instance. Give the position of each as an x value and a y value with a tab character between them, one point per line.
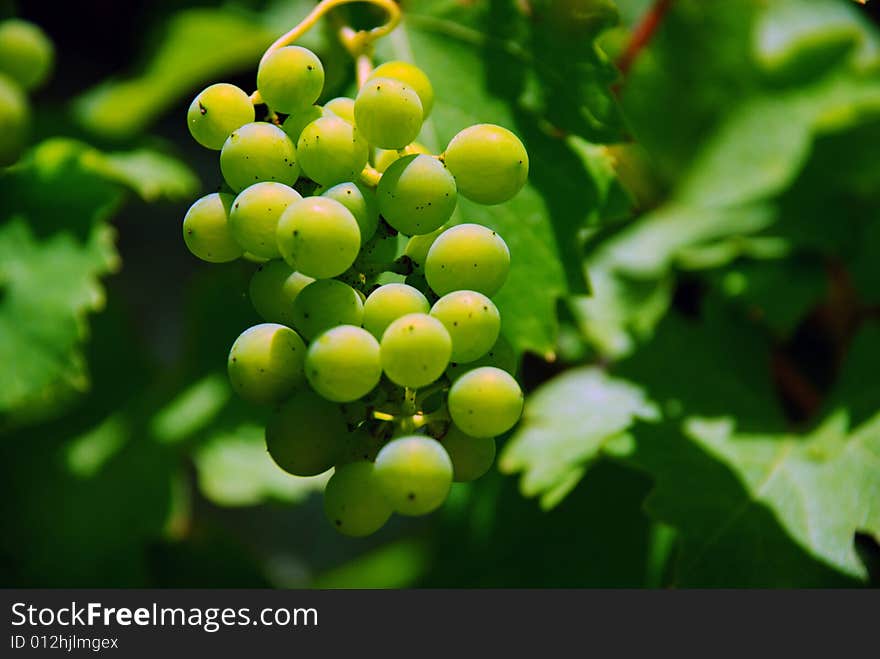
306	316
262	370
235	359
411	496
237	204
202	109
485	308
338	522
455	323
309	67
189	231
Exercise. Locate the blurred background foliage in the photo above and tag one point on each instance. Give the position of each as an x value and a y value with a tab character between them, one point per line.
693	296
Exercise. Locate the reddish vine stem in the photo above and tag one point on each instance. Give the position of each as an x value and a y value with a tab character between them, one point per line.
642	35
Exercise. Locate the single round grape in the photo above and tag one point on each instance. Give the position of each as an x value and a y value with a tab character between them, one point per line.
326	303
290	79
471	456
342	364
342	107
417	246
388	303
273	289
501	355
295	123
14	120
216	112
254	217
305	436
489	163
473	323
412	76
258	152
361	202
330	151
266	363
319	237
467	257
26	53
415	350
485	402
206	229
354	502
388	113
360	446
416	194
415	474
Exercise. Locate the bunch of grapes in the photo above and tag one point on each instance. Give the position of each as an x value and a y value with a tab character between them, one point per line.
26	59
381	353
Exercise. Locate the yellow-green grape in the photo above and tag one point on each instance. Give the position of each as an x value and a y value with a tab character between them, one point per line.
485	402
14	121
330	151
305	436
354	502
388	303
501	355
388	113
467	257
324	304
342	364
273	289
342	107
489	163
290	79
216	112
415	350
359	446
415	474
382	158
319	237
256	152
255	214
416	194
295	123
361	201
471	456
412	76
26	53
473	323
266	363
417	247
206	229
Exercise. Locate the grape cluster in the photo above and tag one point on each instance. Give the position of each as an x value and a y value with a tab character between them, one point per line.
26	59
381	353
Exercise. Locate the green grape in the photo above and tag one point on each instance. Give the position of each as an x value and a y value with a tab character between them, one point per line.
467	257
14	121
501	355
415	350
485	402
412	76
26	53
258	152
330	151
342	107
290	79
383	158
324	304
216	112
415	474
353	500
388	113
380	250
388	303
416	194
273	290
254	217
361	202
305	436
359	446
471	456
319	237
295	123
489	163
417	247
206	229
473	323
342	364
266	363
